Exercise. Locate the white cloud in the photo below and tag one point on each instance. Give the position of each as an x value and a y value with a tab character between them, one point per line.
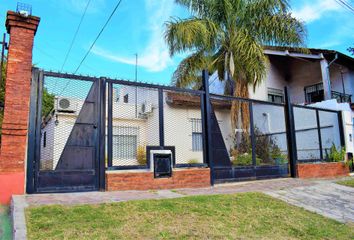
155	57
315	10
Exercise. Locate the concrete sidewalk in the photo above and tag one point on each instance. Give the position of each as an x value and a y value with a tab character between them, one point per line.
320	196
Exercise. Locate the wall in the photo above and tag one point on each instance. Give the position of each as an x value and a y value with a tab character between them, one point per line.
322	170
143	180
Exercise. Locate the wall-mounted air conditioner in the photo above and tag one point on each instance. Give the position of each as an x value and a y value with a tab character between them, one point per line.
146	108
161	163
66	105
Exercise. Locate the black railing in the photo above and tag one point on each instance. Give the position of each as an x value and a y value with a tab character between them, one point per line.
315	93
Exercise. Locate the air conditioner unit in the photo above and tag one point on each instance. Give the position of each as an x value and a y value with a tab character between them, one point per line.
66	105
146	108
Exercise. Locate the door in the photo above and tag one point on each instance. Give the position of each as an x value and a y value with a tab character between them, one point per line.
68	131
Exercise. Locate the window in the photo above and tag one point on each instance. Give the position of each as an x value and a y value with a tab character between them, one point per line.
275	95
125	142
126	98
44	139
125	146
197	135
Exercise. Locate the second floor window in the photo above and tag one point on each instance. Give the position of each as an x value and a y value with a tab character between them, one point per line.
275	95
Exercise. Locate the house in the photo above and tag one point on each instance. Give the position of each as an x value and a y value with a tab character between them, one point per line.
135	113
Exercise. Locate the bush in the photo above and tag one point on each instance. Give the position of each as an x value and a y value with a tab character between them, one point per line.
244	160
335	155
141	155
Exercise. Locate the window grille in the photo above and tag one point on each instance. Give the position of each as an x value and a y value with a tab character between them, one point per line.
125	142
197	136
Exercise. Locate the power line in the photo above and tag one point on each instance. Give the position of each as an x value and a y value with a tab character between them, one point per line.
345	5
99	34
94	42
75	35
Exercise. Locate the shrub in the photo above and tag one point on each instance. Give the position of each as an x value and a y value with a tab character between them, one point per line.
335	155
141	155
193	161
244	160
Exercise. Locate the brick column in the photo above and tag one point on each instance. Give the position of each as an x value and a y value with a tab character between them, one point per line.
17	98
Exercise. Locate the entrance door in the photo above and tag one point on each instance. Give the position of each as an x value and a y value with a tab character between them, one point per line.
67	134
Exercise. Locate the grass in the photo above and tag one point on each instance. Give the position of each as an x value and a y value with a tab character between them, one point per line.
238	216
348	182
5	224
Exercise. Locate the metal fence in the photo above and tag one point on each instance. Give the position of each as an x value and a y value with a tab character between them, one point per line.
88	124
319	133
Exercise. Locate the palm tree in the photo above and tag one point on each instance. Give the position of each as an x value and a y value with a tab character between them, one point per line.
228	36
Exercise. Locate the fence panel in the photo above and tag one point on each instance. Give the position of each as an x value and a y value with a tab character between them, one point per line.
183	127
307	137
134	124
330	133
270	134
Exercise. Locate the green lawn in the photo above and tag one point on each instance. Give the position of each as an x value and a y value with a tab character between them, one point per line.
5	224
348	182
238	216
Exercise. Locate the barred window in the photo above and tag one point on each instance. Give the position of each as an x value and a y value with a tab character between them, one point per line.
125	142
197	135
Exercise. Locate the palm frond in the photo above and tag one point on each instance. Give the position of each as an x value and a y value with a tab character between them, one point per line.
190	34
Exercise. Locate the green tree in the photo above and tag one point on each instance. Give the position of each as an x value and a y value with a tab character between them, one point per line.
228	36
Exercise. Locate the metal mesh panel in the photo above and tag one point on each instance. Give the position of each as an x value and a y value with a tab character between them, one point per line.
307	141
183	126
61	104
270	134
330	136
236	132
135	122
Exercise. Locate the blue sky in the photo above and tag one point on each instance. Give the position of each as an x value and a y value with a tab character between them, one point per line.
137	27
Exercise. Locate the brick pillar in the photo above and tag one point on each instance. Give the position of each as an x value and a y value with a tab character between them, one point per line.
17	98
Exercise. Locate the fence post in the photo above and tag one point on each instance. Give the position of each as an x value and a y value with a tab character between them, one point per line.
290	134
161	119
32	129
319	133
207	124
102	133
110	125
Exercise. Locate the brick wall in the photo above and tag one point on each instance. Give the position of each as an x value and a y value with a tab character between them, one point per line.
322	170
181	178
17	100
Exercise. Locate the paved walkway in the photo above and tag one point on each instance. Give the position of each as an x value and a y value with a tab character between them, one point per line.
324	197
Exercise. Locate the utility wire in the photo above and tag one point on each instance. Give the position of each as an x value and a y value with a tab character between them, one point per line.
94	42
99	34
345	5
75	35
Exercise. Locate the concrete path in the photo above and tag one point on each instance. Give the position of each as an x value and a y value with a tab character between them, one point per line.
323	197
326	198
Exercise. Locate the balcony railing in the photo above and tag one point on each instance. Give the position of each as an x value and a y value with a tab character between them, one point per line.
315	93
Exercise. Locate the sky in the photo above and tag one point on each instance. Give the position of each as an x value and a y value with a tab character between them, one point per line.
137	28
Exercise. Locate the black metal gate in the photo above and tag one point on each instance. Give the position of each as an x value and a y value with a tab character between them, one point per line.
66	129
